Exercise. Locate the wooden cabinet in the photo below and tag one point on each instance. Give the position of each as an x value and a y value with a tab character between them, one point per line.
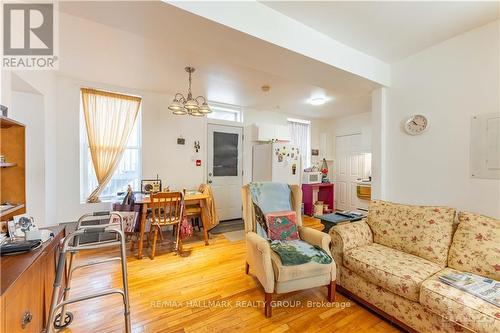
23	302
12	175
26	285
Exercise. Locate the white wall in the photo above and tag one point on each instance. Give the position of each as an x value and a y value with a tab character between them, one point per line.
448	83
161	155
360	123
42	199
29	109
378	142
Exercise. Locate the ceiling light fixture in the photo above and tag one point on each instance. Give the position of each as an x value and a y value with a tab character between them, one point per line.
317	101
188	105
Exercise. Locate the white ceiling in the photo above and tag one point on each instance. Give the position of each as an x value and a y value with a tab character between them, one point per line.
389	31
146	45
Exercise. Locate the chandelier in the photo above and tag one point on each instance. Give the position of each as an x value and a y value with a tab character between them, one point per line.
188	105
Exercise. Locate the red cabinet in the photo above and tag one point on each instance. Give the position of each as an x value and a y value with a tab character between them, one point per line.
325	194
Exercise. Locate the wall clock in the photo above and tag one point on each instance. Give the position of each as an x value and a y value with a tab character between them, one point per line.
416	124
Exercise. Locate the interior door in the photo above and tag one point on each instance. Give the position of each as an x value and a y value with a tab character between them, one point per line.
350	168
225	169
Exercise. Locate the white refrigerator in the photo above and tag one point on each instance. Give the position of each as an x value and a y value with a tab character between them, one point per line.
276	162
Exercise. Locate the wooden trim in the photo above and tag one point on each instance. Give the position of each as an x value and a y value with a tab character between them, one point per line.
373	308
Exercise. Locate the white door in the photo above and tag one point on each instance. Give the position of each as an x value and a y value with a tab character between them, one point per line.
225	169
350	165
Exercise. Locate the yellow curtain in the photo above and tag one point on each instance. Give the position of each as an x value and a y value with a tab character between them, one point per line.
109	118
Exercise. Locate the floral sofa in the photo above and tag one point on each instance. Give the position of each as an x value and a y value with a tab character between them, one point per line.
392	260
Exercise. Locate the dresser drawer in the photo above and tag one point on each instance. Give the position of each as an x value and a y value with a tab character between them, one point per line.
22	303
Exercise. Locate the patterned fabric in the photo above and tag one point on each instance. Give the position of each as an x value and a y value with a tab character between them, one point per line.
301	272
261	221
271	197
346	236
459	306
396	271
410	313
297	252
476	246
186	227
128	220
424	231
282	226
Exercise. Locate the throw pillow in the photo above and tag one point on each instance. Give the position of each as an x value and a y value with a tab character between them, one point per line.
282	225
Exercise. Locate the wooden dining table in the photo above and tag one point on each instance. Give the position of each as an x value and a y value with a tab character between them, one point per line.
191	198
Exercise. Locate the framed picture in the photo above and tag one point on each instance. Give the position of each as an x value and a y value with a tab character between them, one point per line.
150	186
20	225
314	152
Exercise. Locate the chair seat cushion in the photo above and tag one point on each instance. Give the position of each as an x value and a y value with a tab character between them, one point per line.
459	306
393	270
287	273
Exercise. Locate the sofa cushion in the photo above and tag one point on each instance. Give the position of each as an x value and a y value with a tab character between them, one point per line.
396	271
424	231
459	306
476	245
286	273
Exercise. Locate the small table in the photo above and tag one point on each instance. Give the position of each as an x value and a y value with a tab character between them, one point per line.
190	199
329	220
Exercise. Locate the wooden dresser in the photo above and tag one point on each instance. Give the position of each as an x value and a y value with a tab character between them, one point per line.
26	286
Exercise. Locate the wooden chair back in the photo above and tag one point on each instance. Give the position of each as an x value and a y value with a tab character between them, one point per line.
166	208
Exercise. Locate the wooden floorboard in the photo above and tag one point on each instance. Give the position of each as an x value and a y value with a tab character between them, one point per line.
206	290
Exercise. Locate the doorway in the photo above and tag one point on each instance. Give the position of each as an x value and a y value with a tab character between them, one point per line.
225	169
353	165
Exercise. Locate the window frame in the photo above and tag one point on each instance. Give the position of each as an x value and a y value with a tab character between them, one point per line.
85	155
225	107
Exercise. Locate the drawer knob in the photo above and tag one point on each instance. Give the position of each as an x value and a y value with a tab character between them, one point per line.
27	318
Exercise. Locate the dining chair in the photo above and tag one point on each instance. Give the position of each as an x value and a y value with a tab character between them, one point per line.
166	209
193	212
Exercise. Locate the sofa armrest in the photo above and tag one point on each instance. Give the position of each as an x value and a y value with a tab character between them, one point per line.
259	259
315	237
347	236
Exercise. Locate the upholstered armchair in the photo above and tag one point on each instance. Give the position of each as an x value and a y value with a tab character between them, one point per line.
266	265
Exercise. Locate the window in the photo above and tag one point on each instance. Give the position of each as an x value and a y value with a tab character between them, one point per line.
127	173
225	112
300	133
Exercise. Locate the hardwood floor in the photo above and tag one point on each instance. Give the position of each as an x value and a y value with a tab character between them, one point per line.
173	294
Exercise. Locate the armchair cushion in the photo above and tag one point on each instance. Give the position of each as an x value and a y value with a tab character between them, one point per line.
424	231
476	245
298	252
459	306
296	272
393	270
